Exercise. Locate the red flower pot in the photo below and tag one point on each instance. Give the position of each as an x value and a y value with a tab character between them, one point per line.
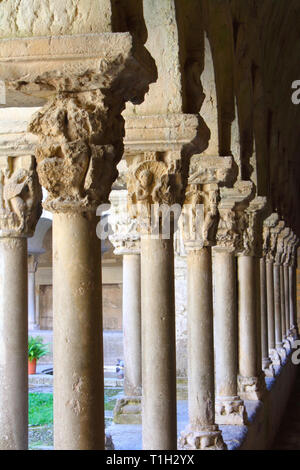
31	366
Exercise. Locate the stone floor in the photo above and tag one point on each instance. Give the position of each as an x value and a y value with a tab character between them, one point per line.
288	436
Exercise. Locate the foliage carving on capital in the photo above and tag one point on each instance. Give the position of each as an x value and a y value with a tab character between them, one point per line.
75	164
233	220
20	197
269	237
154	180
250	227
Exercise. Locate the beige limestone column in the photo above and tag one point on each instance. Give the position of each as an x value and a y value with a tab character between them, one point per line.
266	360
293	332
230	408
287	298
277	311
18	218
77	333
126	241
32	266
250	379
77	166
201	200
132	324
128	408
282	303
251	384
158	344
202	432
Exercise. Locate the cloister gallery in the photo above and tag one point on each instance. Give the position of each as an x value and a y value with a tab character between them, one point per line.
176	123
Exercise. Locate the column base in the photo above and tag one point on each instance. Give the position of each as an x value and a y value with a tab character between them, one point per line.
109	445
230	410
281	351
287	344
128	410
251	388
268	367
204	438
275	357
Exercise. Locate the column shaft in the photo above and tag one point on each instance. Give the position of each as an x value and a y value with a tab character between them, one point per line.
200	339
286	298
31	300
270	304
229	407
132	324
14	344
247	316
282	303
158	344
78	347
277	306
266	361
292	319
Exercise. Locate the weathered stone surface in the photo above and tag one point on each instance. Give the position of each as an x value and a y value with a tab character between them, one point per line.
128	410
20	197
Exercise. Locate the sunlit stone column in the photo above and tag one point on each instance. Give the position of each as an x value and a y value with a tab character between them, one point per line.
278	288
126	241
199	224
20	201
32	265
267	366
158	299
80	135
293	331
230	408
251	384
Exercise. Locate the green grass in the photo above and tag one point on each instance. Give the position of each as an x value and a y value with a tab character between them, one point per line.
40	408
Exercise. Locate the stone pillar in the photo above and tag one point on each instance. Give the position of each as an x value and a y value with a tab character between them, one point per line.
270	240
279	303
287	298
230	408
126	241
266	360
18	217
158	344
199	224
251	384
77	166
32	265
293	332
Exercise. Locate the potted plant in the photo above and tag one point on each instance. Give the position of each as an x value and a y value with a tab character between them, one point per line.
36	350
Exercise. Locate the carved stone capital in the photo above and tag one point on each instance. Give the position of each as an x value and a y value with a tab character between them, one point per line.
230	410
269	244
87	80
286	258
199	219
251	388
155	185
205	438
250	226
282	233
232	204
32	263
20	197
125	235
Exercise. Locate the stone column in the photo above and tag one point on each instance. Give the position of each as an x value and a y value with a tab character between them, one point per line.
251	378
199	224
20	199
293	331
287	298
230	408
270	240
80	134
32	266
266	360
126	241
279	288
